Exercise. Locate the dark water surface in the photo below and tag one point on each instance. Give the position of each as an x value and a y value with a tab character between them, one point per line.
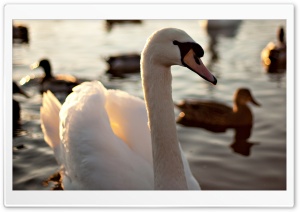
218	162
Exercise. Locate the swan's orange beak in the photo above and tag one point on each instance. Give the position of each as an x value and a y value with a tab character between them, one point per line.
195	64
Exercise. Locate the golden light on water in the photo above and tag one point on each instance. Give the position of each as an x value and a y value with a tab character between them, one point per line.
34	65
25	79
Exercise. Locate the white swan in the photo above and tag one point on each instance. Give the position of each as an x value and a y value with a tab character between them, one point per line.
101	137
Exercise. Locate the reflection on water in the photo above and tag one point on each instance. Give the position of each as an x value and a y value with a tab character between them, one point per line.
216	29
278	79
240	144
219	161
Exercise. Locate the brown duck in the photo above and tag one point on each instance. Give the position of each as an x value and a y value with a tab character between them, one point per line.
273	56
57	83
17	109
215	116
119	65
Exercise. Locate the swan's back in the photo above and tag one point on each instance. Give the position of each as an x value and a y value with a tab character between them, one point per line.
88	150
101	139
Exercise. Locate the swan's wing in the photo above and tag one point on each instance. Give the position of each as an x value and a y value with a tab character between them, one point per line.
95	158
128	118
123	109
49	114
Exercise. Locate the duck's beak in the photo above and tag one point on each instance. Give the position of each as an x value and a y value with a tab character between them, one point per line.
24	94
20	91
34	65
254	101
197	66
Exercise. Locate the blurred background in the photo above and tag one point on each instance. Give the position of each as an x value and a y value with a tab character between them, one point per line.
109	51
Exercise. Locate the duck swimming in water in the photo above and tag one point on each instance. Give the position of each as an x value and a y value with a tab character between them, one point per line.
273	56
119	65
16	107
110	23
20	34
58	83
215	116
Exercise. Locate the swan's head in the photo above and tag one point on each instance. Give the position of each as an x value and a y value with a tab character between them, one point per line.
170	46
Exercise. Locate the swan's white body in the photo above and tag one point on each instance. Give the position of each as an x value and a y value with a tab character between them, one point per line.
101	138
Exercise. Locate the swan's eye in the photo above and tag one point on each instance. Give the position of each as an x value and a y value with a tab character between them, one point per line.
196	59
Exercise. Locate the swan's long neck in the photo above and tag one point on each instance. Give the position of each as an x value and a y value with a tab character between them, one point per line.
167	161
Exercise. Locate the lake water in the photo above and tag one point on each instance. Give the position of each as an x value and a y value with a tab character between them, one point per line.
78	47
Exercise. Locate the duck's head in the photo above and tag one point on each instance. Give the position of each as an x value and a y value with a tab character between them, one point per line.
43	63
242	96
280	35
170	46
17	89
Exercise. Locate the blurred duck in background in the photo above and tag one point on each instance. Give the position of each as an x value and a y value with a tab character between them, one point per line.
58	83
228	26
123	64
273	56
216	29
17	108
20	34
219	117
110	23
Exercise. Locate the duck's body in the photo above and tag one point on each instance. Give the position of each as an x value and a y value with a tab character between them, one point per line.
101	138
273	56
192	113
16	107
111	23
123	64
56	84
20	34
220	28
215	116
16	112
216	29
220	25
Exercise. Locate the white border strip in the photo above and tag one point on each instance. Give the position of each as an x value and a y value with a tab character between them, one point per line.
148	198
147	11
